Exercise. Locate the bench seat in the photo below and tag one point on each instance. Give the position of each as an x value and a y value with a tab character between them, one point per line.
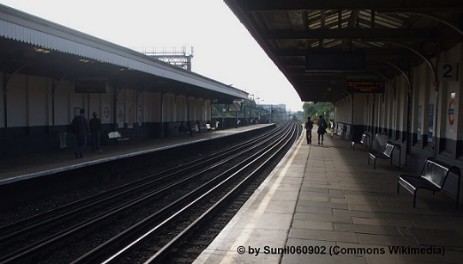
386	154
433	176
379	155
412	183
116	136
363	141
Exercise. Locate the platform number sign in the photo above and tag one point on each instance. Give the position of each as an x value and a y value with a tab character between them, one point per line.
448	71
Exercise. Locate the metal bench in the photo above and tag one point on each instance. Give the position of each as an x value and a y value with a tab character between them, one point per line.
209	127
387	153
116	136
432	177
363	141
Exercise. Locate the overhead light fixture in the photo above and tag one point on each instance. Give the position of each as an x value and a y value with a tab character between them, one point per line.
42	50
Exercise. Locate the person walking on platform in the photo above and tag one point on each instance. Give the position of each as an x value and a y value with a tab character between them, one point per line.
308	130
322	125
95	131
80	128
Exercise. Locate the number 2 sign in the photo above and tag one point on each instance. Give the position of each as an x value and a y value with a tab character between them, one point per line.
448	71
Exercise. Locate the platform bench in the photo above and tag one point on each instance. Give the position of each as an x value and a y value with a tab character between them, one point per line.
363	141
432	177
116	136
209	128
387	153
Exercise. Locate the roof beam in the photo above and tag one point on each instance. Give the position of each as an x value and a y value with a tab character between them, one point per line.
353	19
352	33
264	5
370	52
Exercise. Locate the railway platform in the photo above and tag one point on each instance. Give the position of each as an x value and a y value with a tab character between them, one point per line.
325	204
40	164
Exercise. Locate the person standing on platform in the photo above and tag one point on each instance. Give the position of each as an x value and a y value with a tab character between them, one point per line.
322	125
80	127
182	130
189	128
308	130
95	131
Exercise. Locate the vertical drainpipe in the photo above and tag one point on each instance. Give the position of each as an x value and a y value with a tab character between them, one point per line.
188	108
115	108
88	107
236	116
373	132
352	118
55	84
5	114
162	114
210	112
137	111
436	145
408	146
53	88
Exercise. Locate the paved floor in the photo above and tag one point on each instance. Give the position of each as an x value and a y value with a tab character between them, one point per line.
325	204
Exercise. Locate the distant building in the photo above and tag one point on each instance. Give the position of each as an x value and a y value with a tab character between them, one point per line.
180	57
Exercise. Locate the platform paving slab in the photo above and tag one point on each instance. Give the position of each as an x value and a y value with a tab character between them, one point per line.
343	203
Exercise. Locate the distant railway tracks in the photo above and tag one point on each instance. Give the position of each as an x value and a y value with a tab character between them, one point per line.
145	220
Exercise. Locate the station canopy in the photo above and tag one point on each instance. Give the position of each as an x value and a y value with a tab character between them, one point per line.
326	47
35	46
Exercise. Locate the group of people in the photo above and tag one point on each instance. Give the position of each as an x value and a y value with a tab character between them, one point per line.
322	126
83	129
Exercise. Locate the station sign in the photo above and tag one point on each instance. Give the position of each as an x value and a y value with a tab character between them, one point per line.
222	101
447	71
365	86
90	86
335	61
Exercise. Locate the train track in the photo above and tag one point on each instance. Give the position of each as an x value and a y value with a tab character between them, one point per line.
145	220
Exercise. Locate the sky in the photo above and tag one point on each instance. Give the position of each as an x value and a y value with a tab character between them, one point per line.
223	48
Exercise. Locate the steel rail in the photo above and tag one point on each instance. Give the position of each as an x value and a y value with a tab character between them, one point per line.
70	210
160	254
56	238
129	233
46	242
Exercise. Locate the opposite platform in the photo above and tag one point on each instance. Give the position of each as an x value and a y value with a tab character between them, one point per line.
324	204
40	164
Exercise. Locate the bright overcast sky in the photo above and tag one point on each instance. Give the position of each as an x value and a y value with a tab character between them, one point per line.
223	49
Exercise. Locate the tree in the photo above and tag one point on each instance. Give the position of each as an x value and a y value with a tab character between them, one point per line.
309	109
316	109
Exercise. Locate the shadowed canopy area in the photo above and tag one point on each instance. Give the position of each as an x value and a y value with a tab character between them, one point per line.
325	47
